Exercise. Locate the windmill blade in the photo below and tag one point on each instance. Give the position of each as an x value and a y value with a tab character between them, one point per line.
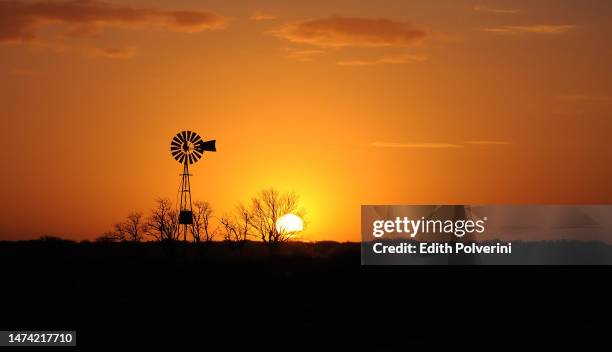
197	154
196	147
176	154
195	157
194	138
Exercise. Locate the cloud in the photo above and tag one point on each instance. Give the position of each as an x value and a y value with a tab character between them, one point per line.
392	59
113	53
488	142
20	21
358	62
579	104
262	16
584	98
415	145
351	32
484	8
303	55
535	29
62	46
436	145
24	72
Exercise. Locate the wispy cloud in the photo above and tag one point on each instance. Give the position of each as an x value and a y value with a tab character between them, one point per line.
484	8
24	72
391	59
351	32
584	98
306	55
488	142
437	145
415	145
533	29
20	21
262	16
113	53
577	104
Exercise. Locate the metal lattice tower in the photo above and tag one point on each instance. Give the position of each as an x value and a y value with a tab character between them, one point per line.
188	147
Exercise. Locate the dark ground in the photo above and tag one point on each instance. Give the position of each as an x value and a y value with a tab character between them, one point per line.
304	296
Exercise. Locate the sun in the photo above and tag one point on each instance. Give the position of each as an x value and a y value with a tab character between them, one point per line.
289	223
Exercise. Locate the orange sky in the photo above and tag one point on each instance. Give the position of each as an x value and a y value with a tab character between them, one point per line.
388	102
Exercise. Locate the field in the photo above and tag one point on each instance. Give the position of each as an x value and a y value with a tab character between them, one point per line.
299	296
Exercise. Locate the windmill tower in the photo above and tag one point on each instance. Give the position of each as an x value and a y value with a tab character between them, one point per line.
187	147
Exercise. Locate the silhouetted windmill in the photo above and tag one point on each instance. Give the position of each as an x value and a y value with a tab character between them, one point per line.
187	147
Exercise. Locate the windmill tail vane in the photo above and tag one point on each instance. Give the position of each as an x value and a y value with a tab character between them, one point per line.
187	148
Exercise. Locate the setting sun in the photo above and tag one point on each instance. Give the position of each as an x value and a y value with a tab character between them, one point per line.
289	223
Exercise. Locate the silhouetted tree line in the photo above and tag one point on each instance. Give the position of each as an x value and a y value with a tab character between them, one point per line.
255	221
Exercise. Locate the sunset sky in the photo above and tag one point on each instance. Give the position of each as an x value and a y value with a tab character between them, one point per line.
344	102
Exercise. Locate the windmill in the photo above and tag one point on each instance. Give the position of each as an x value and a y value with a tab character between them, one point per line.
187	147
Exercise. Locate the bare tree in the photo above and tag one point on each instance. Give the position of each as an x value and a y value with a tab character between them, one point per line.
131	229
107	237
173	229
118	233
265	211
236	226
134	227
202	216
229	228
162	224
242	226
